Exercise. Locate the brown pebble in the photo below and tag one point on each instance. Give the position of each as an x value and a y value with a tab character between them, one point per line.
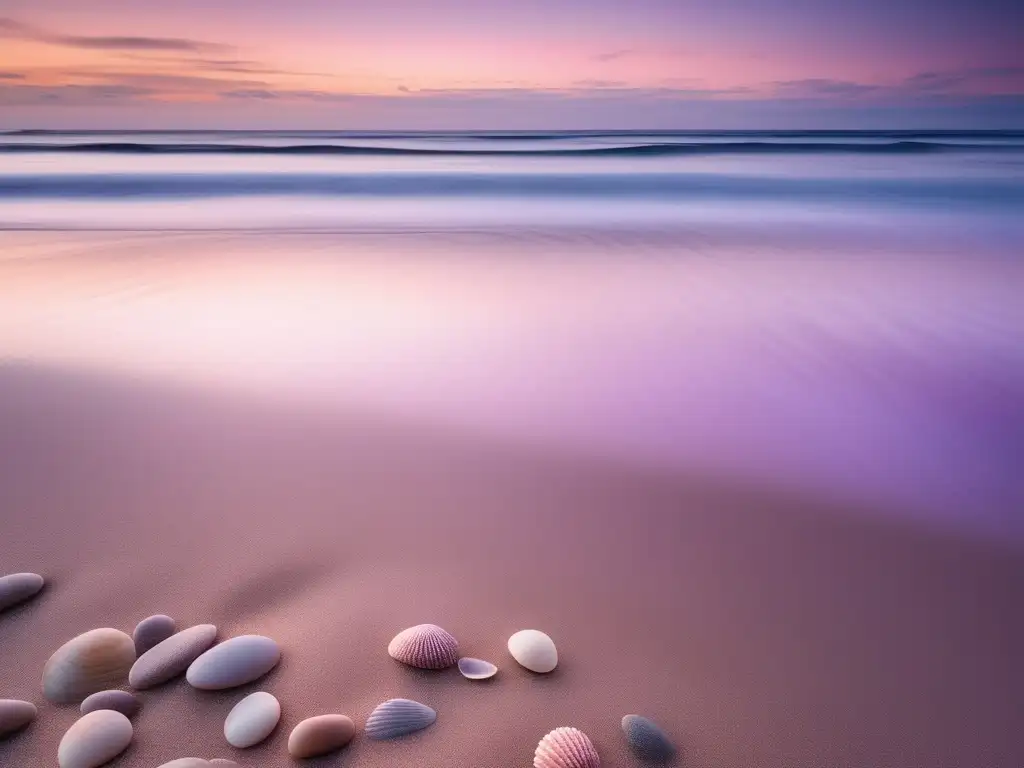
320	735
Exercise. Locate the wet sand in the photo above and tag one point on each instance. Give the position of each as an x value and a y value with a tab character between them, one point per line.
759	627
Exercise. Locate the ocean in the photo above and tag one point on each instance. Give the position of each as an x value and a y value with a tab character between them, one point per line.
838	312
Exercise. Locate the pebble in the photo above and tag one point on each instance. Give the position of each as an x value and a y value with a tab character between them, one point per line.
119	701
15	715
94	740
187	762
94	661
234	662
19	587
319	735
252	720
171	657
151	632
533	650
647	739
477	669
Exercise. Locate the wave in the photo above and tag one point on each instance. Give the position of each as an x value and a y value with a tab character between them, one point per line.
633	150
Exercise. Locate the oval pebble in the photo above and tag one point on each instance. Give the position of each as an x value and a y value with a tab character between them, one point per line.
187	762
93	661
477	669
96	739
647	739
16	588
15	715
398	717
566	748
234	662
171	657
319	735
152	631
252	719
426	646
119	701
533	650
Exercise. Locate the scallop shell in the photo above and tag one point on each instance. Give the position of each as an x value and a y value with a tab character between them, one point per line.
426	646
533	650
93	661
647	739
477	669
566	748
398	717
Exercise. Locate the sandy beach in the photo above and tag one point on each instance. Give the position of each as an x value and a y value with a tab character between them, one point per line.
160	456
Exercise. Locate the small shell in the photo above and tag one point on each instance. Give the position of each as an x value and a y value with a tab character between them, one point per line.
566	748
533	650
647	739
96	739
477	669
15	715
119	701
398	717
234	662
19	587
93	661
152	631
426	646
252	720
317	736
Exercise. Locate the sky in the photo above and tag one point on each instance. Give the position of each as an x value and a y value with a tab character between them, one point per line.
511	64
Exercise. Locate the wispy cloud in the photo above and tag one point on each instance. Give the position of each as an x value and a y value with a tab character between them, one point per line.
615	55
966	79
817	87
600	83
11	76
15	29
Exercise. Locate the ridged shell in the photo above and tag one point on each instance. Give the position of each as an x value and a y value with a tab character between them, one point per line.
533	650
152	631
119	701
398	717
252	719
234	662
15	715
171	657
317	736
93	661
477	669
96	739
566	748
647	739
18	587
426	646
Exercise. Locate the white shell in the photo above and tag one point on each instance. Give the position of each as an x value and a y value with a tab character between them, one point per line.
16	588
533	650
96	739
252	720
426	646
234	662
477	669
566	748
93	661
15	715
398	717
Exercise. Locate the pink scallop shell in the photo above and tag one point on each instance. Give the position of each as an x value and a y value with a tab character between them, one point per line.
426	646
566	748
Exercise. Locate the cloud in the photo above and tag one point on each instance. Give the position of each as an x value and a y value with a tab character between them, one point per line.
600	83
812	88
72	95
403	89
615	55
11	76
16	29
966	79
263	94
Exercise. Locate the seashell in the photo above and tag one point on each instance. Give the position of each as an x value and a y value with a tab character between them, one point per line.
647	739
426	646
171	657
317	736
398	717
15	715
97	738
477	669
93	661
119	701
151	632
19	587
234	662
566	748
252	719
533	650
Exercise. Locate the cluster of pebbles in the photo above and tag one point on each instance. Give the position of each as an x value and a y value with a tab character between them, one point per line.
88	669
